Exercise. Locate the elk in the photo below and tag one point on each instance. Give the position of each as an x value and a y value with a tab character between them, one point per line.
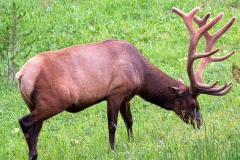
75	78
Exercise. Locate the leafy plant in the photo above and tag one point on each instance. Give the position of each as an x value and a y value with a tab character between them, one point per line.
9	48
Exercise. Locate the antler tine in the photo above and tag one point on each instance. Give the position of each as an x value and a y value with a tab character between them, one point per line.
216	89
202	22
217	59
209	25
196	84
220	91
187	17
223	29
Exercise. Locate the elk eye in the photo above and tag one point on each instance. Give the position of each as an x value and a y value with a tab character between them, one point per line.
192	104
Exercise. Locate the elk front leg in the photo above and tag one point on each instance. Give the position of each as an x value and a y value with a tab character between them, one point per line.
31	131
113	106
127	117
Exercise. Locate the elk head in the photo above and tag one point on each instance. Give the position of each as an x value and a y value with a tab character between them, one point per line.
190	111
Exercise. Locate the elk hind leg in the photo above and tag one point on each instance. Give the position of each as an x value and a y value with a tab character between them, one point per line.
31	125
31	131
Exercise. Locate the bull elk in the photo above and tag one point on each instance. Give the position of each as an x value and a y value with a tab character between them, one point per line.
77	77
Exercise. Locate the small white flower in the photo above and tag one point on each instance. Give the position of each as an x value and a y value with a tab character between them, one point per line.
182	59
15	130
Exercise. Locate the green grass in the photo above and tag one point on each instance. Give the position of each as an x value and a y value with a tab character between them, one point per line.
162	38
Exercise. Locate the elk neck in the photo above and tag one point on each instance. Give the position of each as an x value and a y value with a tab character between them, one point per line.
155	87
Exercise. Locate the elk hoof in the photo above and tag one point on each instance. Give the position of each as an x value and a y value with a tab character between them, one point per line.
33	157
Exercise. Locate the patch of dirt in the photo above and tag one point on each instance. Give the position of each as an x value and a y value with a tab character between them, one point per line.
236	72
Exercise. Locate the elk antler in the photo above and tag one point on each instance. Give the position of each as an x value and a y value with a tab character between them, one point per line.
196	84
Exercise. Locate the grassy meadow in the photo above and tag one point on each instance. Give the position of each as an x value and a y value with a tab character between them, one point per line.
163	39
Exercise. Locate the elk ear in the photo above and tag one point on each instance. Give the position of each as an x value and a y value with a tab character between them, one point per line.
180	80
175	91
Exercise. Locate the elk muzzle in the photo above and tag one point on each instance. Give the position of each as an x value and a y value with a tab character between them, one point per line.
196	118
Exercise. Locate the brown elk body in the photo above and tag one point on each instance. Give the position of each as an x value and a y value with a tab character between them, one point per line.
80	76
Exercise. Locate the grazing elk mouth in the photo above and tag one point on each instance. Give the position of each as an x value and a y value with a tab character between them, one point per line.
196	118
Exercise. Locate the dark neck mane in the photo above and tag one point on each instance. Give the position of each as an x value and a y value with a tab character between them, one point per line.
155	86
